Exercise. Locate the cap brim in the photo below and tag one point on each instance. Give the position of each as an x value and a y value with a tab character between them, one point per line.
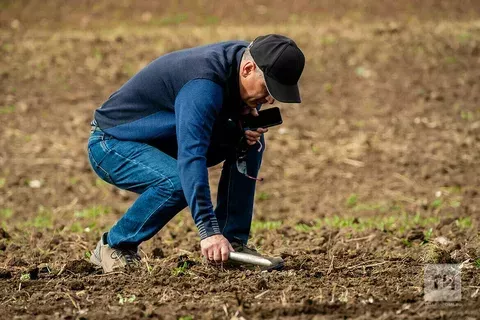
282	92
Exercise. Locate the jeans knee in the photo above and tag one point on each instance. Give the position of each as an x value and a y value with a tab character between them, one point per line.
169	187
176	187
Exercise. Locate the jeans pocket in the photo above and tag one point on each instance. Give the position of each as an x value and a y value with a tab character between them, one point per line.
108	143
101	172
93	139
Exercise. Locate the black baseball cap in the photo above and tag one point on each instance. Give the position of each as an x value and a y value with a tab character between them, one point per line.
282	64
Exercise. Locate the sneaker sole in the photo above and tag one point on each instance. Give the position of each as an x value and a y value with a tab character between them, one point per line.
278	267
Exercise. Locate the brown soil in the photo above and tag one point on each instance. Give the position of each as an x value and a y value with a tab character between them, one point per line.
375	175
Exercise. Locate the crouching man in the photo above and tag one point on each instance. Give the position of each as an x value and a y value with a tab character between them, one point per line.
162	129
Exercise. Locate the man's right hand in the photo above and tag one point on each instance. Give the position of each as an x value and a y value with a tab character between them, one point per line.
216	248
254	136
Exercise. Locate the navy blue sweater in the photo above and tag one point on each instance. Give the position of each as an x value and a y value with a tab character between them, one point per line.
177	100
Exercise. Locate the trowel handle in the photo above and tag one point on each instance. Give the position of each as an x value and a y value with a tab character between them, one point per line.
249	258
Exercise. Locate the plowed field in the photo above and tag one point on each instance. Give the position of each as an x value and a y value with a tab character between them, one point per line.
375	175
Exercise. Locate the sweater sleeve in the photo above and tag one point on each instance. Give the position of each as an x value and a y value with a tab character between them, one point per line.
196	107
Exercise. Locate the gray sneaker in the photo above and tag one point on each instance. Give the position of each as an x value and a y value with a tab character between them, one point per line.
112	259
277	262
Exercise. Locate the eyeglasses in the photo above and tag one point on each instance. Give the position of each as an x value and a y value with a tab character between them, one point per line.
242	159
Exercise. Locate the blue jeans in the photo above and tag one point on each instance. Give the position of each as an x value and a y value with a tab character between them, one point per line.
152	173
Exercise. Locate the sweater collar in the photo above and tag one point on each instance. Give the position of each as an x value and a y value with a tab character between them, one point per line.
233	82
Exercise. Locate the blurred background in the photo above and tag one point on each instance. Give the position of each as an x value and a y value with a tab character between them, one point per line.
390	118
385	147
390	113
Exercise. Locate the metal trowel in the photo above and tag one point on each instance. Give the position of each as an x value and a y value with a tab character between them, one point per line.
255	260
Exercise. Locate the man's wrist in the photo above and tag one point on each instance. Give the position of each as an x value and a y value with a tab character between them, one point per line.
208	235
208	228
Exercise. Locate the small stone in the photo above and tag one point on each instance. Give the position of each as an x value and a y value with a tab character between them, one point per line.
43	268
262	284
4	234
56	240
415	235
434	95
158	253
76	285
22	106
261	9
5	274
33	272
35	184
15	24
442	241
79	266
146	16
13	247
16	262
318	250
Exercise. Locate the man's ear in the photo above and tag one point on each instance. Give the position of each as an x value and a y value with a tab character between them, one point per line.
248	68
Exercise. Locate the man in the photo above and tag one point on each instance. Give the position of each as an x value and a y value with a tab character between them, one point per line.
159	132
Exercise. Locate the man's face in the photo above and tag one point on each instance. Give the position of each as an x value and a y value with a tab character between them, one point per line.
253	89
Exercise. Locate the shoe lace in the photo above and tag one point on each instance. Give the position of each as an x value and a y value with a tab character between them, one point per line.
238	246
130	256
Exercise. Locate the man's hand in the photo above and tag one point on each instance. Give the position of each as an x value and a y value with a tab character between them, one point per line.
254	136
216	248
